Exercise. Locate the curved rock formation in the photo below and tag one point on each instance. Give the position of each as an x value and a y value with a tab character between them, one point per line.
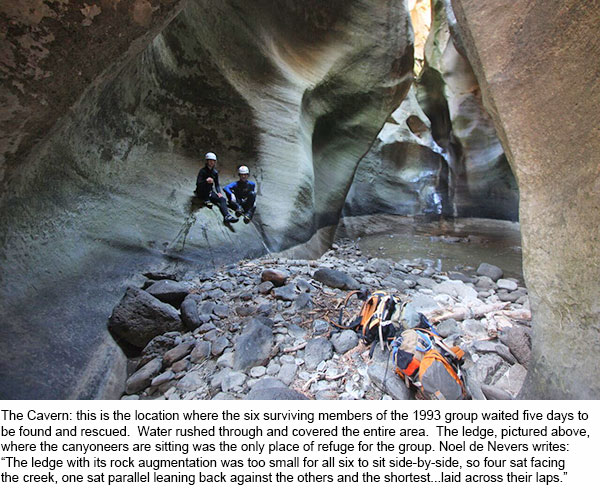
404	172
481	183
532	61
101	151
449	159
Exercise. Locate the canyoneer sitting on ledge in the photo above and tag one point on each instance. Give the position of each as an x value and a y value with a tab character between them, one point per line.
208	189
241	195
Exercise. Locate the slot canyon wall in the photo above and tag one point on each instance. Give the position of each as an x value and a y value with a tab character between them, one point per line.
533	61
439	152
107	109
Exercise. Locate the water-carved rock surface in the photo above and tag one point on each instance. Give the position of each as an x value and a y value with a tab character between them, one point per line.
297	93
439	152
543	94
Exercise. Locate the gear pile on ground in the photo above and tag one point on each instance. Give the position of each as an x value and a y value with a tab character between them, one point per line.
260	329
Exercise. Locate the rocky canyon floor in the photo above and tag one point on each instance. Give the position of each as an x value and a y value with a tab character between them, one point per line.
260	329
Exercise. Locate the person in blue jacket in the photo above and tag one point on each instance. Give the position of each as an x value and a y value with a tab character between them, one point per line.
241	195
208	189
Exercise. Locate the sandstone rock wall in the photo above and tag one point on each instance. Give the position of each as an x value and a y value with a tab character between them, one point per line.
100	184
455	165
532	60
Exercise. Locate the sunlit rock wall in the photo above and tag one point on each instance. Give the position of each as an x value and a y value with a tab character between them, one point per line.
100	186
451	162
404	172
480	179
534	61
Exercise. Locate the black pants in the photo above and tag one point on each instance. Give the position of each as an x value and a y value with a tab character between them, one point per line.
221	202
245	205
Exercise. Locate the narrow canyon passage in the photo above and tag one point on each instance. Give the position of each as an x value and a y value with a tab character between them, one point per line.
384	119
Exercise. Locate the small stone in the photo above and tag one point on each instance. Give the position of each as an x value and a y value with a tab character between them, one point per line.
130	397
191	382
226	286
344	341
304	286
264	309
426	282
316	351
507	285
219	345
226	360
201	351
224	396
142	378
320	327
245	310
489	270
222	311
448	327
232	379
518	341
474	328
189	312
454	275
492	392
336	279
273	368
277	277
303	301
180	366
206	327
388	381
257	371
287	373
295	331
178	352
265	287
162	378
171	292
253	346
513	379
485	283
206	307
287	292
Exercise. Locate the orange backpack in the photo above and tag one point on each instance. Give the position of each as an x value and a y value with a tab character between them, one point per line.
426	363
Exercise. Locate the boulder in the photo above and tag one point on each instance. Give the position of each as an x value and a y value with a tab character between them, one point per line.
140	317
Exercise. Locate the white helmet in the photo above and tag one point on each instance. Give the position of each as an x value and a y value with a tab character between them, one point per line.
243	170
210	156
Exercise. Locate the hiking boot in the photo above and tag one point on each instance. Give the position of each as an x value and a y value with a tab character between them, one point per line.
239	213
230	219
208	204
246	219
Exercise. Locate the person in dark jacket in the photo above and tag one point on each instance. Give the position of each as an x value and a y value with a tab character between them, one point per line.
208	189
241	195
